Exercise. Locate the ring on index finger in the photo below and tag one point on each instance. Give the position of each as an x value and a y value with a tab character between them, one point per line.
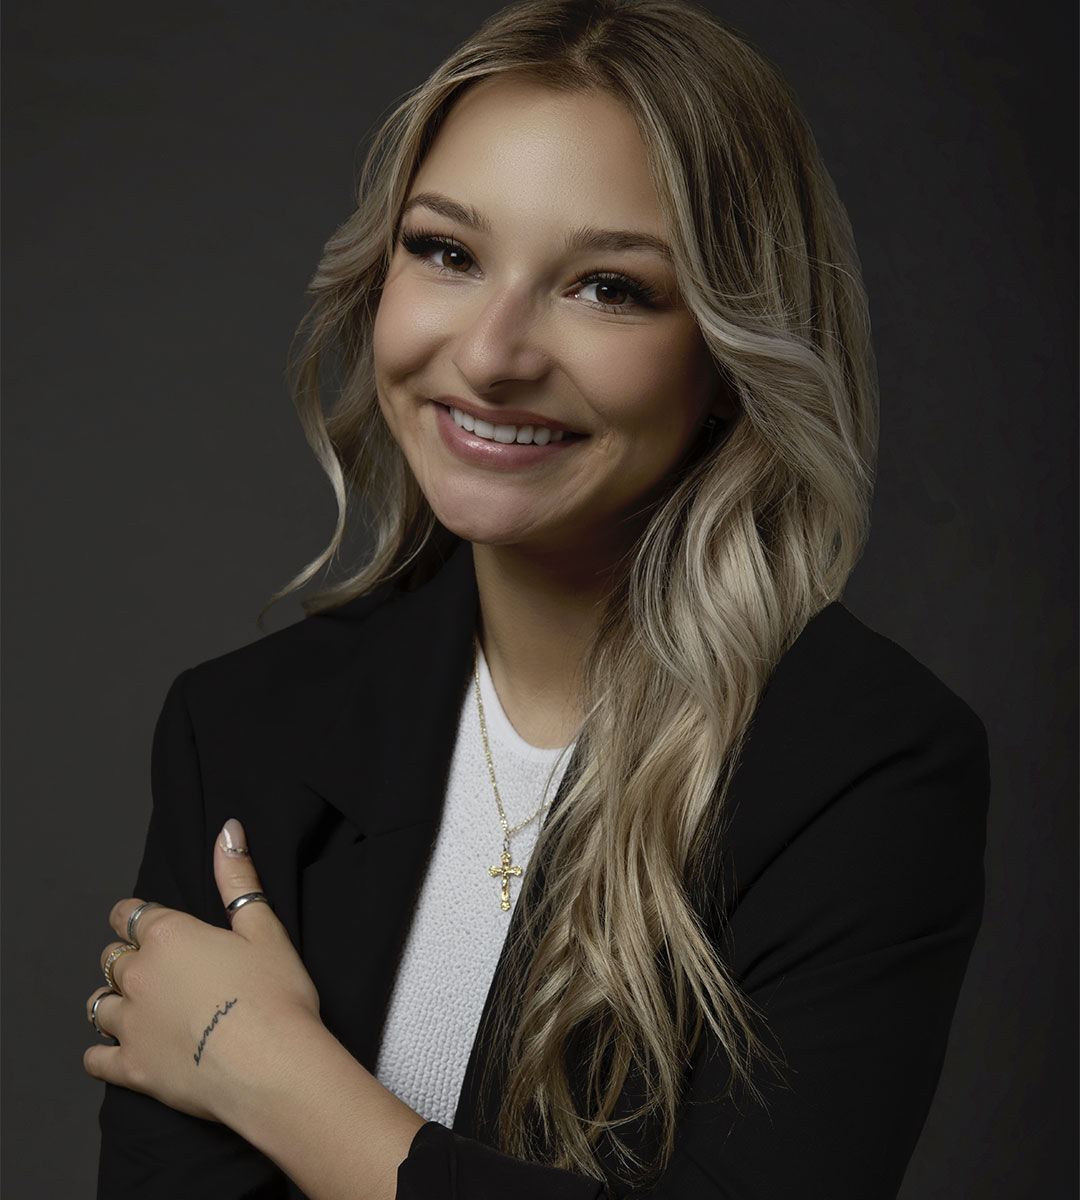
133	921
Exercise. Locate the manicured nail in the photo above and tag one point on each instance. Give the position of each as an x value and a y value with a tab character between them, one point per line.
232	839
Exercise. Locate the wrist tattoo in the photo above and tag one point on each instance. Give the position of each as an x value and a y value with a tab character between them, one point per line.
210	1029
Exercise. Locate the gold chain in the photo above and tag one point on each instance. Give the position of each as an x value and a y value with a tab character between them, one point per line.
505	869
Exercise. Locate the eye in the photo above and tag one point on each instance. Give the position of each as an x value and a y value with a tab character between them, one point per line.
615	293
454	258
444	253
609	293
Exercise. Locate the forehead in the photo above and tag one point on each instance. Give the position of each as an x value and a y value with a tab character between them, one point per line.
512	147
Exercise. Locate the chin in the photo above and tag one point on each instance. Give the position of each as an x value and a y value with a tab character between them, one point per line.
476	527
480	518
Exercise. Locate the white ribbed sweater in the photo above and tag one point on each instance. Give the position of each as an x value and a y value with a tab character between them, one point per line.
458	927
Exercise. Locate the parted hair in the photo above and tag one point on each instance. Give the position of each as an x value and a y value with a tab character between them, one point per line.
617	964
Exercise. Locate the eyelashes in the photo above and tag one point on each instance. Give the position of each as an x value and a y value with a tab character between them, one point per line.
624	293
642	295
423	245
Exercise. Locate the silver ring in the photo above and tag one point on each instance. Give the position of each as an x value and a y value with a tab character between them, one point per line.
94	1021
133	920
247	898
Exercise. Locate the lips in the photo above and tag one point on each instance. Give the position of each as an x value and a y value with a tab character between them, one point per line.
509	451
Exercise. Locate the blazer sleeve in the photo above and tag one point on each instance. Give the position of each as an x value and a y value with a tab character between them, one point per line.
852	941
148	1150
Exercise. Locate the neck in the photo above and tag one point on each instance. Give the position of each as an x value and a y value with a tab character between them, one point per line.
538	615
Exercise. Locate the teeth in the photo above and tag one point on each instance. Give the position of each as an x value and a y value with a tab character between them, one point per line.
524	435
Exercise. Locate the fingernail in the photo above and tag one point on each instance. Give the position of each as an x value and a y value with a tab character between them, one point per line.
232	839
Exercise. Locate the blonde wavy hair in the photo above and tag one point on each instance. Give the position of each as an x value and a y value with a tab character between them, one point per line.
616	958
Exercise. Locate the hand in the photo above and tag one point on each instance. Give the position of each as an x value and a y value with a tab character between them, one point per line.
203	1012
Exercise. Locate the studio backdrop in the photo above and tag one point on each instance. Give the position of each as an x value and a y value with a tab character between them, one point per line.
171	174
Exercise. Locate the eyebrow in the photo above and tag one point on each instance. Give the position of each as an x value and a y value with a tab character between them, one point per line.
464	214
610	240
585	238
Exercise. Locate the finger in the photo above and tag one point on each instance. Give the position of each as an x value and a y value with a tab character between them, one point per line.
109	1010
101	991
236	875
104	1062
119	952
122	911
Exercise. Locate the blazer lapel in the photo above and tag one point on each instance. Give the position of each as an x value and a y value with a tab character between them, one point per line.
382	763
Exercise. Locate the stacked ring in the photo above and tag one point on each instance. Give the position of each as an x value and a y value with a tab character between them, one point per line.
133	920
94	1021
107	966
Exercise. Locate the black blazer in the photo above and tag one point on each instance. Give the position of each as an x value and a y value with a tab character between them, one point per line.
852	891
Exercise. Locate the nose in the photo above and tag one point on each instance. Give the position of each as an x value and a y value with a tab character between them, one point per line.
501	342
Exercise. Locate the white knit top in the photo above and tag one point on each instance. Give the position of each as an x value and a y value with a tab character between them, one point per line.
458	926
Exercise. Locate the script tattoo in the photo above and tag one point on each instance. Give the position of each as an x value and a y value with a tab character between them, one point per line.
210	1028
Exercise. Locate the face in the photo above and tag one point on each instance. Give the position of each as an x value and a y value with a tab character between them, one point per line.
532	356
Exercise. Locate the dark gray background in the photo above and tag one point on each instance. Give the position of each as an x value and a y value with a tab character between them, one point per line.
172	172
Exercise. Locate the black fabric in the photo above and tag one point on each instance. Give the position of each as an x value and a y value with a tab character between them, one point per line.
851	892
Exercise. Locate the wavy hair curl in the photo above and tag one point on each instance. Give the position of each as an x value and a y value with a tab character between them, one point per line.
618	953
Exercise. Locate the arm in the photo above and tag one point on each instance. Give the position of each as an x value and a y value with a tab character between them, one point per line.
148	1150
854	941
279	1094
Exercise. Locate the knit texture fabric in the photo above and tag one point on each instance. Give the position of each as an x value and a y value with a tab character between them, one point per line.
458	926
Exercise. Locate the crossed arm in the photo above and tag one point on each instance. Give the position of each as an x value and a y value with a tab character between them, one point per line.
224	1025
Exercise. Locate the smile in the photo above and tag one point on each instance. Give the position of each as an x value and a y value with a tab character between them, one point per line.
523	435
505	446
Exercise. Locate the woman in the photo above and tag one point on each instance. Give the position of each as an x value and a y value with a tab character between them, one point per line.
595	828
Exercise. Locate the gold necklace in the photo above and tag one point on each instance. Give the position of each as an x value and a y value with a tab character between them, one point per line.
505	870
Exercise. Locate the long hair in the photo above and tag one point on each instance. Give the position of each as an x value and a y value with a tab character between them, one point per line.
617	961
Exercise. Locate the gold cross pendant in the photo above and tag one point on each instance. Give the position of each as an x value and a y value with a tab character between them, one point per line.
506	870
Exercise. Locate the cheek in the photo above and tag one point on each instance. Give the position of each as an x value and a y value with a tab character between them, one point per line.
660	384
408	329
391	335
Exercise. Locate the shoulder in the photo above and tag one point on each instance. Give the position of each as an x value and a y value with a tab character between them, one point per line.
840	677
261	703
857	747
311	652
338	644
281	692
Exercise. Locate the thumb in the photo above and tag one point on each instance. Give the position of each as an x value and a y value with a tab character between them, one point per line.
235	873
